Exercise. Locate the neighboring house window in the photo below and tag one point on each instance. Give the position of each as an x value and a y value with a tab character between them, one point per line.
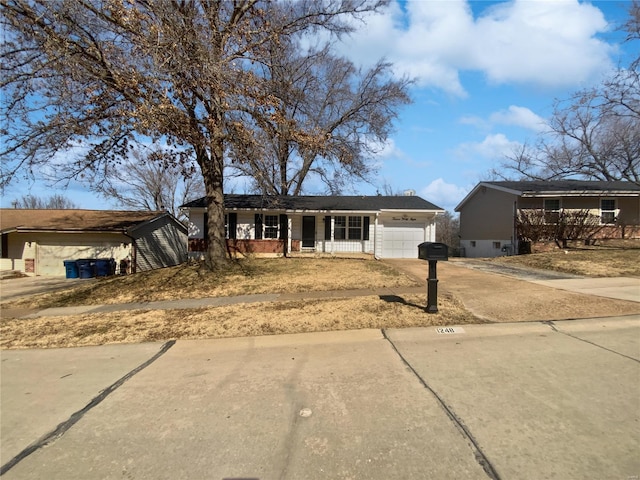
473	243
496	244
271	223
551	210
607	211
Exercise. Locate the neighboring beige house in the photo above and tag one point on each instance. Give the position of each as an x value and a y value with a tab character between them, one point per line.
37	242
384	226
488	212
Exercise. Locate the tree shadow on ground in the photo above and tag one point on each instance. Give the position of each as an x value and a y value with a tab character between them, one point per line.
398	299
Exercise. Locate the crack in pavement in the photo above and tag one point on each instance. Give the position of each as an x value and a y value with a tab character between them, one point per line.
480	457
62	428
555	329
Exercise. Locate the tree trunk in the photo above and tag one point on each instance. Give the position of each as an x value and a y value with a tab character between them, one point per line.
212	172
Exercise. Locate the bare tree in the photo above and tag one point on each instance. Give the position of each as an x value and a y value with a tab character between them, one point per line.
98	74
152	179
54	202
594	134
535	225
448	230
326	119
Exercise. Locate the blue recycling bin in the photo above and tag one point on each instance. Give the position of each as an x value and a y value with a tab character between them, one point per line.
71	268
105	267
86	268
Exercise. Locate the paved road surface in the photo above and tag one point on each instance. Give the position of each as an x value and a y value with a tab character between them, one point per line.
510	401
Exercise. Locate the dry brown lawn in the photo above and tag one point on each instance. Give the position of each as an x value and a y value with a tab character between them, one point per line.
248	276
278	275
612	259
230	321
252	276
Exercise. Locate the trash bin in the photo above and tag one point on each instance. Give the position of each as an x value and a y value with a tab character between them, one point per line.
71	268
86	268
104	267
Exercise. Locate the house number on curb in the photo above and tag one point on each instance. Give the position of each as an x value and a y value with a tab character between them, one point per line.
444	330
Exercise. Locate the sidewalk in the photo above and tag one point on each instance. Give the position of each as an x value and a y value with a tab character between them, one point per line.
213	302
504	401
491	292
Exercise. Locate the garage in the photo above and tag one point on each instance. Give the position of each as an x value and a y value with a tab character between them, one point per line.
400	238
38	241
50	256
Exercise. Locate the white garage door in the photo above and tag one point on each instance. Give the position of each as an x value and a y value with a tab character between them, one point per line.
52	255
401	239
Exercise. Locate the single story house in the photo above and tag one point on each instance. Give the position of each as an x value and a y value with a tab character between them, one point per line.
488	226
384	226
37	242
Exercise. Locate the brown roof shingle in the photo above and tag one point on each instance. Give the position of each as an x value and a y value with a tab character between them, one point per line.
72	220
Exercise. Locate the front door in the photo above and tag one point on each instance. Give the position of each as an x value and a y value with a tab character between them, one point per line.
308	232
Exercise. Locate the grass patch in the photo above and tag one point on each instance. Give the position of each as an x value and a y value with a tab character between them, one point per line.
613	259
248	276
231	321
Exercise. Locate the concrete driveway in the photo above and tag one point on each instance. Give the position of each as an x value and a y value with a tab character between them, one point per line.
522	294
503	401
12	288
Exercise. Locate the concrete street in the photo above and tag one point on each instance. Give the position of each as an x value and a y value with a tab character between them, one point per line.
527	400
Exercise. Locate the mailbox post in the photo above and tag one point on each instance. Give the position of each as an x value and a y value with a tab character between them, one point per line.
432	252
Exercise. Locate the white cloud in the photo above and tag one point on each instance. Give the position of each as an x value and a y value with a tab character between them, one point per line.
540	43
519	117
386	150
493	146
443	194
547	43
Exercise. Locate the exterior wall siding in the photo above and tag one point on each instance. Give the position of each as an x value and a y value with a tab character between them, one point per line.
159	244
246	242
488	215
486	219
486	248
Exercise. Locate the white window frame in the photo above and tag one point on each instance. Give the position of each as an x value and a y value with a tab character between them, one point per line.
351	227
354	224
272	229
546	211
613	212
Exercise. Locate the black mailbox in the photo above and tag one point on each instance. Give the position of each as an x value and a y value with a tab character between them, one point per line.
433	251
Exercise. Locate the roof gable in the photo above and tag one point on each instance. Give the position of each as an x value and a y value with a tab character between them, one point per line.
320	203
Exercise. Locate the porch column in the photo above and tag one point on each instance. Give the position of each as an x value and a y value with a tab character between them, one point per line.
289	233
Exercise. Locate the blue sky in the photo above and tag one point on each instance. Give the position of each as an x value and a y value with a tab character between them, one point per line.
486	75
